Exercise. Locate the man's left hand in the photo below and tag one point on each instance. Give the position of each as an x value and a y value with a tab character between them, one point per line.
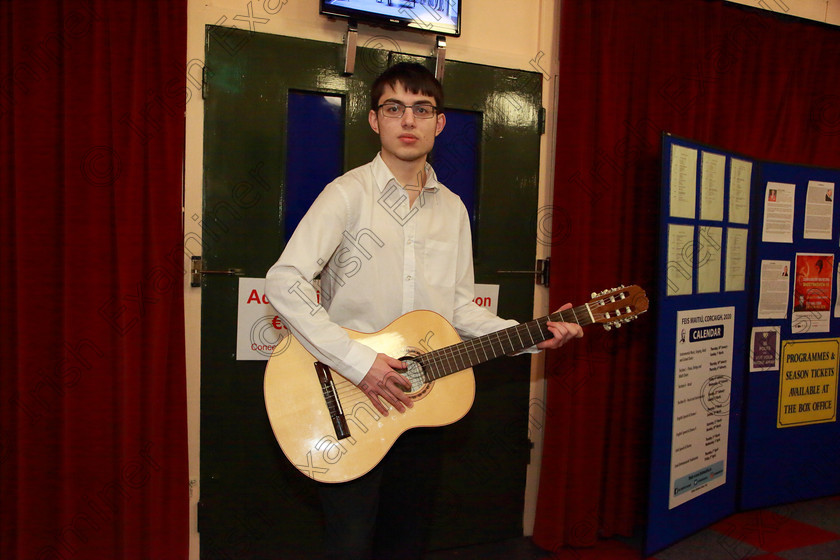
563	332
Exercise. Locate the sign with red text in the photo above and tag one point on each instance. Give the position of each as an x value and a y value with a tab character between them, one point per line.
487	295
259	328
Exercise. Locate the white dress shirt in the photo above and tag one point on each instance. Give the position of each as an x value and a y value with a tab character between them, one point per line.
379	258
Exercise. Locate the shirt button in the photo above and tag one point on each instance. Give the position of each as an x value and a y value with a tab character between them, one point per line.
408	278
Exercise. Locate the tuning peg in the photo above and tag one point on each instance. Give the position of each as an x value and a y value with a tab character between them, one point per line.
607	327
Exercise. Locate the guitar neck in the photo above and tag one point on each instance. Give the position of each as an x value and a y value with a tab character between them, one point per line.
444	361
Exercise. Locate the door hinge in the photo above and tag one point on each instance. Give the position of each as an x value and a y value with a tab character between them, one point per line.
196	271
542	272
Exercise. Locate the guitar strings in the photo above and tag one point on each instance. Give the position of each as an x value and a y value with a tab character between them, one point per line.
463	355
445	361
439	363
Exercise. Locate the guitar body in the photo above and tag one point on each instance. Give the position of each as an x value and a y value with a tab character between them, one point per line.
299	414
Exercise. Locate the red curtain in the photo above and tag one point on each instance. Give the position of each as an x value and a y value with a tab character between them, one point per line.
744	80
92	391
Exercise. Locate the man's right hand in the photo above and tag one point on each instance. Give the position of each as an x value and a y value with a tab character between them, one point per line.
382	381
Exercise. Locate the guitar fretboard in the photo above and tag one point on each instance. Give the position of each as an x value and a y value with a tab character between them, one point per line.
444	361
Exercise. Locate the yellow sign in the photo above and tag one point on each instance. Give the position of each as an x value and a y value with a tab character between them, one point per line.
808	382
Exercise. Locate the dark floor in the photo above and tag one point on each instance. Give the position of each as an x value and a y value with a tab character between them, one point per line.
801	531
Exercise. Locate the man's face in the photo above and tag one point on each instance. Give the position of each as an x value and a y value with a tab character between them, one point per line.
406	138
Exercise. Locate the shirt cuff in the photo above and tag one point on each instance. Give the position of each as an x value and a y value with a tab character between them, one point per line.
359	360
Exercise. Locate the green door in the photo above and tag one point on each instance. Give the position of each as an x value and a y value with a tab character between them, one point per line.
260	145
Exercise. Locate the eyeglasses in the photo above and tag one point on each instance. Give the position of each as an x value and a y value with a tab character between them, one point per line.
395	109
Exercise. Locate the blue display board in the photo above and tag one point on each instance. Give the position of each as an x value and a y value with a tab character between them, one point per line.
791	457
702	313
722	440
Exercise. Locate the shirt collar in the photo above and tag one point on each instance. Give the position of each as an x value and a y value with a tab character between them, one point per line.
382	176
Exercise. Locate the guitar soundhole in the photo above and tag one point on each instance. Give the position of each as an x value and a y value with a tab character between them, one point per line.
414	373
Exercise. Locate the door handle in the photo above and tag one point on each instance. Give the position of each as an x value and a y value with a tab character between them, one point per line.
542	272
196	271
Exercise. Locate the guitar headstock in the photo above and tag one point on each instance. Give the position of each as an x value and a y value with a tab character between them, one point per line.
618	306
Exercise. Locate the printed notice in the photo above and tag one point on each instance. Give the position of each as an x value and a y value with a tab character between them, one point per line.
702	383
764	352
680	269
778	213
812	293
683	181
819	208
740	175
712	176
808	382
736	259
708	260
774	290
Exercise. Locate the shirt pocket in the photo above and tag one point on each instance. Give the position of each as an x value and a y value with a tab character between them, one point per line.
440	261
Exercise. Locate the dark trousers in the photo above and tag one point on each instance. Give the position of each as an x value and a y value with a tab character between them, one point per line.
385	514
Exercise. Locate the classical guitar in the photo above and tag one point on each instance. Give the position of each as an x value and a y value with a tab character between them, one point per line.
329	429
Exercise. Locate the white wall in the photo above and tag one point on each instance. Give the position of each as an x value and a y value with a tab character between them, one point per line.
826	11
493	33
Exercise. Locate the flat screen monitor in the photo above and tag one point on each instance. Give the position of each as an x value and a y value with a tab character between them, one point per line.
441	17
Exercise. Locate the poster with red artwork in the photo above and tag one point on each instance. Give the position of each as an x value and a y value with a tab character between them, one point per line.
812	292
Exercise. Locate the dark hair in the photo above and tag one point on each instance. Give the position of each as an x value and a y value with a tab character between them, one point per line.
414	77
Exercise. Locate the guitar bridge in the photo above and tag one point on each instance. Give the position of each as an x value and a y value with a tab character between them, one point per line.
333	403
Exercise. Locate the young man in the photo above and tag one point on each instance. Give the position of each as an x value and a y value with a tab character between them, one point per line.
387	238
